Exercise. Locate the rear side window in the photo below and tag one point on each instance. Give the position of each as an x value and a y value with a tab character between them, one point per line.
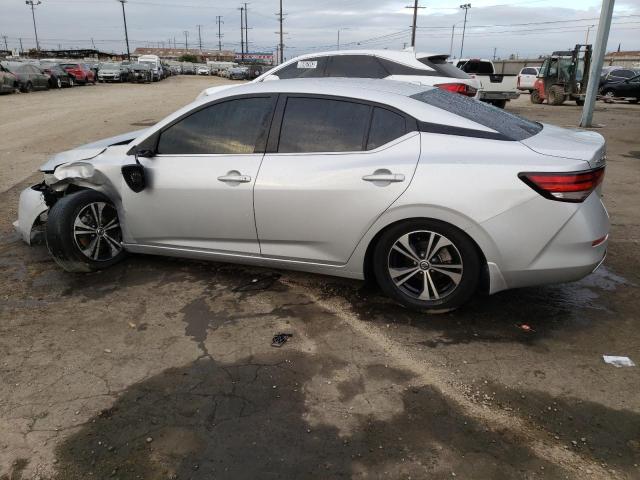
385	126
355	66
445	69
529	71
511	126
323	125
309	68
623	73
476	66
231	127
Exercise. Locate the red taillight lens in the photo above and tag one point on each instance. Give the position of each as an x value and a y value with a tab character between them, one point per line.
461	88
564	186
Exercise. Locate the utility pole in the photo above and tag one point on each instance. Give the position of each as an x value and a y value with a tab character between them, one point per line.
6	46
199	37
281	45
186	40
219	22
599	49
242	33
93	43
586	40
415	21
126	34
174	42
32	4
21	49
345	28
246	28
494	53
466	7
453	29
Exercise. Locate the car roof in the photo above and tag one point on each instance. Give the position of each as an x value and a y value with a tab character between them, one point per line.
406	57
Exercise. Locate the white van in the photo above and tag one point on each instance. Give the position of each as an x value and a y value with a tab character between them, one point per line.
154	62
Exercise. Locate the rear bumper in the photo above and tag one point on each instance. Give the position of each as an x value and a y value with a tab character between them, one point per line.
568	256
498	95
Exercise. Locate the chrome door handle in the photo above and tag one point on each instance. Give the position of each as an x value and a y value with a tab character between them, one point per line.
234	177
384	177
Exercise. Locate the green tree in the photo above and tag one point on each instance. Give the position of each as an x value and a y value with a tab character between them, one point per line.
188	58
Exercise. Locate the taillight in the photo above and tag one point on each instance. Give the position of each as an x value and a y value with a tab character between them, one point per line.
564	186
461	88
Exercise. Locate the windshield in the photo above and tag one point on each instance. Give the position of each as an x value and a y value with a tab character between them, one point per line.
508	124
476	66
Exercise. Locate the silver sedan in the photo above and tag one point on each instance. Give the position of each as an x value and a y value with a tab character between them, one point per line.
435	195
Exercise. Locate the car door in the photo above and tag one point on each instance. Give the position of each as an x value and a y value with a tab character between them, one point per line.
628	88
332	166
200	179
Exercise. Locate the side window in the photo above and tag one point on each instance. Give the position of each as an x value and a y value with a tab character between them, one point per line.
529	71
626	73
231	127
355	66
385	126
323	125
309	68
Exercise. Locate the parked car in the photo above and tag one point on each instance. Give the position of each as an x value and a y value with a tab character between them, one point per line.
81	73
140	73
617	74
238	73
153	61
189	69
28	76
113	72
8	81
203	71
496	89
629	89
405	66
58	77
433	193
527	78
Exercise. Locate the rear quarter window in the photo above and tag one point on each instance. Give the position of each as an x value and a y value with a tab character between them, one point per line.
511	126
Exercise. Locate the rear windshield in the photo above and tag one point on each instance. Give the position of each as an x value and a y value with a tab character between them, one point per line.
476	66
508	124
440	65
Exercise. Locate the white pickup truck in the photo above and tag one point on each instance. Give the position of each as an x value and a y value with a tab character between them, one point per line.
495	88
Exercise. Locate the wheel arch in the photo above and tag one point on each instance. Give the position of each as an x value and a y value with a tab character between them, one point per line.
361	259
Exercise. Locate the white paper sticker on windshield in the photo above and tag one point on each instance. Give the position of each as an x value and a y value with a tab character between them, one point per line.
308	64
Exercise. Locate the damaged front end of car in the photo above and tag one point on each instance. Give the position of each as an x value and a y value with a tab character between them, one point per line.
65	173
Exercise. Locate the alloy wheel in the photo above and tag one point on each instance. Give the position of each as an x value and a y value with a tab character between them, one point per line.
97	232
425	265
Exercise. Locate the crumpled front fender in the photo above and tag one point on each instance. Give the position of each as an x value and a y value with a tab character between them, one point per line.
31	206
78	173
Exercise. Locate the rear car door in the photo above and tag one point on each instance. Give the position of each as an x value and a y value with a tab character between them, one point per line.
332	166
200	180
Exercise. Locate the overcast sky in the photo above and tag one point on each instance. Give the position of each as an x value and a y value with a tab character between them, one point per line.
522	27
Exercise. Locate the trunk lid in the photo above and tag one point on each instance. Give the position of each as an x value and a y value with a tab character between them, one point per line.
569	143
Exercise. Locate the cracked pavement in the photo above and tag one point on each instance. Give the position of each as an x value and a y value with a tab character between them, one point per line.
163	368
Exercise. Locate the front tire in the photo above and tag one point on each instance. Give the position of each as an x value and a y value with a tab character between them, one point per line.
535	97
556	95
83	232
427	265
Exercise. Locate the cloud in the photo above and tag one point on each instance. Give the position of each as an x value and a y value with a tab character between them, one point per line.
523	27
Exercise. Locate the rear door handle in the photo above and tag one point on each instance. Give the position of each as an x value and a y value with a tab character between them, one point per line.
234	177
384	177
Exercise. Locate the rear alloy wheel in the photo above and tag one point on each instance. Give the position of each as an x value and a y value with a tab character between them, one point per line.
83	232
427	265
71	82
58	83
28	87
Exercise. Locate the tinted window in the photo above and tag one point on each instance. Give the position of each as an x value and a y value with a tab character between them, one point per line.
623	73
385	126
442	67
323	125
309	68
511	126
476	66
230	127
529	71
355	66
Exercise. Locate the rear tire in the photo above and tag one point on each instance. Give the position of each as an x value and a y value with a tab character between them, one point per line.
427	265
83	232
59	83
535	97
579	102
556	95
28	87
608	95
500	103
